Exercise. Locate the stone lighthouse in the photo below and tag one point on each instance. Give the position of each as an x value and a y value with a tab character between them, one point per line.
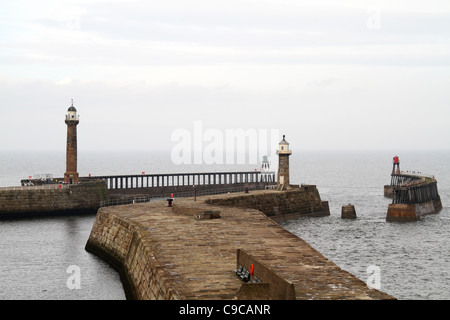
283	165
72	120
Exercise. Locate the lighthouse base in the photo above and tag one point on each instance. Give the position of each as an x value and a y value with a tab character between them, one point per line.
71	177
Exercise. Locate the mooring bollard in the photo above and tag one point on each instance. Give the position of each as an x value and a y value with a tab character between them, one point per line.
170	200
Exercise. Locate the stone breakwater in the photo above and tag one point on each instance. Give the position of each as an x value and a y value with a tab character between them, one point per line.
193	249
280	206
19	202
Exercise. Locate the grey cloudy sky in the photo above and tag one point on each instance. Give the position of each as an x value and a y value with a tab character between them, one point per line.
328	74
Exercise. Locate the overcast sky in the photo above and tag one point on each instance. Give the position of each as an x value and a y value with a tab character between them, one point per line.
327	74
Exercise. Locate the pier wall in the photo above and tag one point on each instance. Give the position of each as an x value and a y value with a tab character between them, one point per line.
184	190
279	206
404	212
122	244
19	202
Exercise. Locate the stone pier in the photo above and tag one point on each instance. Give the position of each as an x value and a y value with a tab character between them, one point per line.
193	249
52	199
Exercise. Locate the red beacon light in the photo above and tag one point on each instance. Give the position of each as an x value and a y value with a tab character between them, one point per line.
396	165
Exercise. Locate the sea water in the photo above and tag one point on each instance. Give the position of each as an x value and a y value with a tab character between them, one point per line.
44	258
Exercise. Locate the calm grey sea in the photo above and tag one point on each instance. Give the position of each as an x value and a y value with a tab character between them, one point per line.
413	258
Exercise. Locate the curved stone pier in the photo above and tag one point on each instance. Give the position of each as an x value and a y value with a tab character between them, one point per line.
192	251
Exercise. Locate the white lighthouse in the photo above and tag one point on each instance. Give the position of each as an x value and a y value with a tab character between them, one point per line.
283	165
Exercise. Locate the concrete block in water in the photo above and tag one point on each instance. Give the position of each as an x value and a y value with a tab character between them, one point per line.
348	212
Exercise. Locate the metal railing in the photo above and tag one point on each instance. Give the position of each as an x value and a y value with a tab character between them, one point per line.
417	174
41	187
409	178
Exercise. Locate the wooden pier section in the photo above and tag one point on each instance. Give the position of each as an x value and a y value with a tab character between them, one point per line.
416	193
413	196
398	179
